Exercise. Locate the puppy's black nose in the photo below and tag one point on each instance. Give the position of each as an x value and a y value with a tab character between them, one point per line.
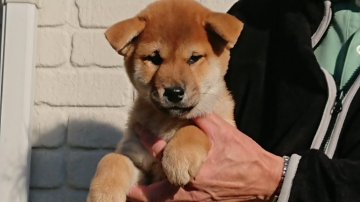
175	94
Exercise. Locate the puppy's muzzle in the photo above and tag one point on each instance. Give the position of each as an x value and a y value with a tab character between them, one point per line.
173	100
174	94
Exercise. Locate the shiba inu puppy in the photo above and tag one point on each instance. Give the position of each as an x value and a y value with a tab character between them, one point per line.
176	55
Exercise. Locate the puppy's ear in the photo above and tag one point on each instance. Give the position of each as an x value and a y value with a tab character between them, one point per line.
226	26
121	34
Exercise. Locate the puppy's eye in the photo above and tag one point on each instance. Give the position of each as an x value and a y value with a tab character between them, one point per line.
154	58
194	58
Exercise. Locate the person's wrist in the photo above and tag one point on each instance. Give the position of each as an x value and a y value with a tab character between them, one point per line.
270	175
276	174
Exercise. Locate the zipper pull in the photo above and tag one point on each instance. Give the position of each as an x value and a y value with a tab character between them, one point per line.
337	107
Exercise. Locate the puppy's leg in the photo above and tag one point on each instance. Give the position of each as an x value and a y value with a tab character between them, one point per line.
184	154
114	177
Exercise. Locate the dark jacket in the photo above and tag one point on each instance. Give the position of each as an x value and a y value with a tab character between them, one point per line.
288	104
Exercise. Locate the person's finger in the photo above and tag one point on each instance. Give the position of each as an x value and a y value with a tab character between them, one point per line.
151	142
159	191
164	191
137	194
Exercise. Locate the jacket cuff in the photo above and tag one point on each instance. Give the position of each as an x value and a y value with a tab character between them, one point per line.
288	180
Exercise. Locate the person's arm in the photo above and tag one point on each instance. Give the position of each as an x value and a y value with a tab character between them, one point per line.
237	169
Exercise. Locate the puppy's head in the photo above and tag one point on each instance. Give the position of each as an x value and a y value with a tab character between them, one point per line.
176	54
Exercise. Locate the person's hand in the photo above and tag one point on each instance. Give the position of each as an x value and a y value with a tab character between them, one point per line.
236	169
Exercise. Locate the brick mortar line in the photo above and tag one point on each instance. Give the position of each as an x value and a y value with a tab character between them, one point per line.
46	104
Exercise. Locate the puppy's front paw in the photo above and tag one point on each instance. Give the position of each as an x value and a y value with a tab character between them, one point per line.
114	176
184	155
180	166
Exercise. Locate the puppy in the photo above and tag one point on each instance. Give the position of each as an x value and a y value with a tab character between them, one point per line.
176	54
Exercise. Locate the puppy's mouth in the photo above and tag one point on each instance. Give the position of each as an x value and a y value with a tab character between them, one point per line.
176	110
179	108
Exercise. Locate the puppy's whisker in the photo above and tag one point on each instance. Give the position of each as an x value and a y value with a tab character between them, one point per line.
215	96
208	94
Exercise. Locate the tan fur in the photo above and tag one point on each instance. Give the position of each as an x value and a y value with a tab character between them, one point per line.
176	30
184	154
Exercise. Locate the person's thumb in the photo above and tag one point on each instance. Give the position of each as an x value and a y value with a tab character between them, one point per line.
151	142
208	124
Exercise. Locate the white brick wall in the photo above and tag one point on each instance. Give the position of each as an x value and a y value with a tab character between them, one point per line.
90	48
53	47
82	93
